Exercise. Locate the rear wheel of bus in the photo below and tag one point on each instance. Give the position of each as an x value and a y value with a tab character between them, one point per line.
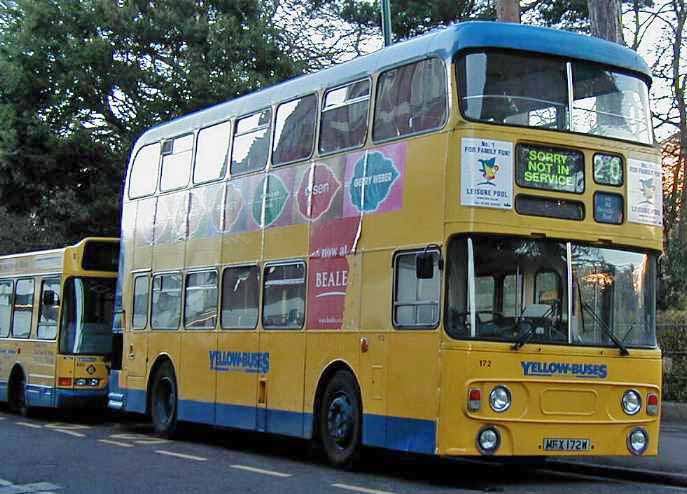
340	420
163	400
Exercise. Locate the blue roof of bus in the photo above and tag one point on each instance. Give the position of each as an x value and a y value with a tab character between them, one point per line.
444	43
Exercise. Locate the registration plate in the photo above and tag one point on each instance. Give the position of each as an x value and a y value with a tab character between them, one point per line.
552	444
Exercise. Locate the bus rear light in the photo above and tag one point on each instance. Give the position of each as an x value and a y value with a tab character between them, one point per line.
64	381
474	400
652	404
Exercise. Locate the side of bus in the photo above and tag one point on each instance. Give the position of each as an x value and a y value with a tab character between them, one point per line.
29	308
50	352
244	298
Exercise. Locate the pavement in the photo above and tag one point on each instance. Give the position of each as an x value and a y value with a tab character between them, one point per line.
669	467
51	454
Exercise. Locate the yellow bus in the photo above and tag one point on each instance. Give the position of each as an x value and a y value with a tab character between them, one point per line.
56	310
445	247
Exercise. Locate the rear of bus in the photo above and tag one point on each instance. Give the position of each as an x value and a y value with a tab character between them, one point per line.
85	332
553	227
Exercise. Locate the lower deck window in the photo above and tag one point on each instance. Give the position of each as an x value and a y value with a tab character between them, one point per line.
284	296
416	300
166	311
50	307
200	308
240	294
5	308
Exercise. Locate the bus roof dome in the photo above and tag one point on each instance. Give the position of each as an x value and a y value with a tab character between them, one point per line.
485	34
444	43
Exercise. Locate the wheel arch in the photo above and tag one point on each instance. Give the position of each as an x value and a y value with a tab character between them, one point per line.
325	376
159	361
17	370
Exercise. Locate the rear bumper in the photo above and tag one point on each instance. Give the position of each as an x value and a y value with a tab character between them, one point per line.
80	398
532	439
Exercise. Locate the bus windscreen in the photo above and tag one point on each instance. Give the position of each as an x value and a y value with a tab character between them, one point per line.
87	311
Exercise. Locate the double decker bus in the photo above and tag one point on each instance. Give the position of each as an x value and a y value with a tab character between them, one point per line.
56	310
445	247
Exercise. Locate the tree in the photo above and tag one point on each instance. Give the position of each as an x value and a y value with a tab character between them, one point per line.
508	10
605	18
79	81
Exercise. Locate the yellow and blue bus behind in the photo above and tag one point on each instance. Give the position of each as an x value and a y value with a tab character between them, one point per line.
56	312
446	247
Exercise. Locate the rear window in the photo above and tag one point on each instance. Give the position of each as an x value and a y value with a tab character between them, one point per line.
100	256
143	177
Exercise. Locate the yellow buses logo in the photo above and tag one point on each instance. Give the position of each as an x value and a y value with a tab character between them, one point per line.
239	361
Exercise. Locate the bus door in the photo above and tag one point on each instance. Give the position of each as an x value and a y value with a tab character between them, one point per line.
281	360
44	365
237	360
135	348
413	376
197	380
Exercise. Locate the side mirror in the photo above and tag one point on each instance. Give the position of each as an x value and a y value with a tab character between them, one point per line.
424	265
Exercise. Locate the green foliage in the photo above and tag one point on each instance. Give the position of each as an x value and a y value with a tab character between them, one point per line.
672	338
80	80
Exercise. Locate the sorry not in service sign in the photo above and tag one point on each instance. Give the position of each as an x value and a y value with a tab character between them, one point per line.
548	168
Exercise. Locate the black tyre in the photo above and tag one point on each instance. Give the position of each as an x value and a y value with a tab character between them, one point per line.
340	420
17	392
163	400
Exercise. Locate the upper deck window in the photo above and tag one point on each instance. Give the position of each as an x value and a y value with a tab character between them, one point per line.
251	142
294	132
211	153
533	91
344	117
144	171
176	162
610	104
410	99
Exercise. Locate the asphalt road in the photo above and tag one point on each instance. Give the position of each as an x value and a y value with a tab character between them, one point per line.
49	454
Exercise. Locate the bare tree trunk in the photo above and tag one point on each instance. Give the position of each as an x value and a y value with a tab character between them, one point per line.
508	11
605	17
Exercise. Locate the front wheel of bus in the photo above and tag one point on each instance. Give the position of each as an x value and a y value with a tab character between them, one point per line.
340	420
163	406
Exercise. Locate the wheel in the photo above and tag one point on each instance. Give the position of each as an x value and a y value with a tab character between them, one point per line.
340	420
163	404
18	395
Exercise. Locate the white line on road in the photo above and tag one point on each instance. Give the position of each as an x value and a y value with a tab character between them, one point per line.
262	471
116	443
71	433
360	489
27	424
180	455
2	418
